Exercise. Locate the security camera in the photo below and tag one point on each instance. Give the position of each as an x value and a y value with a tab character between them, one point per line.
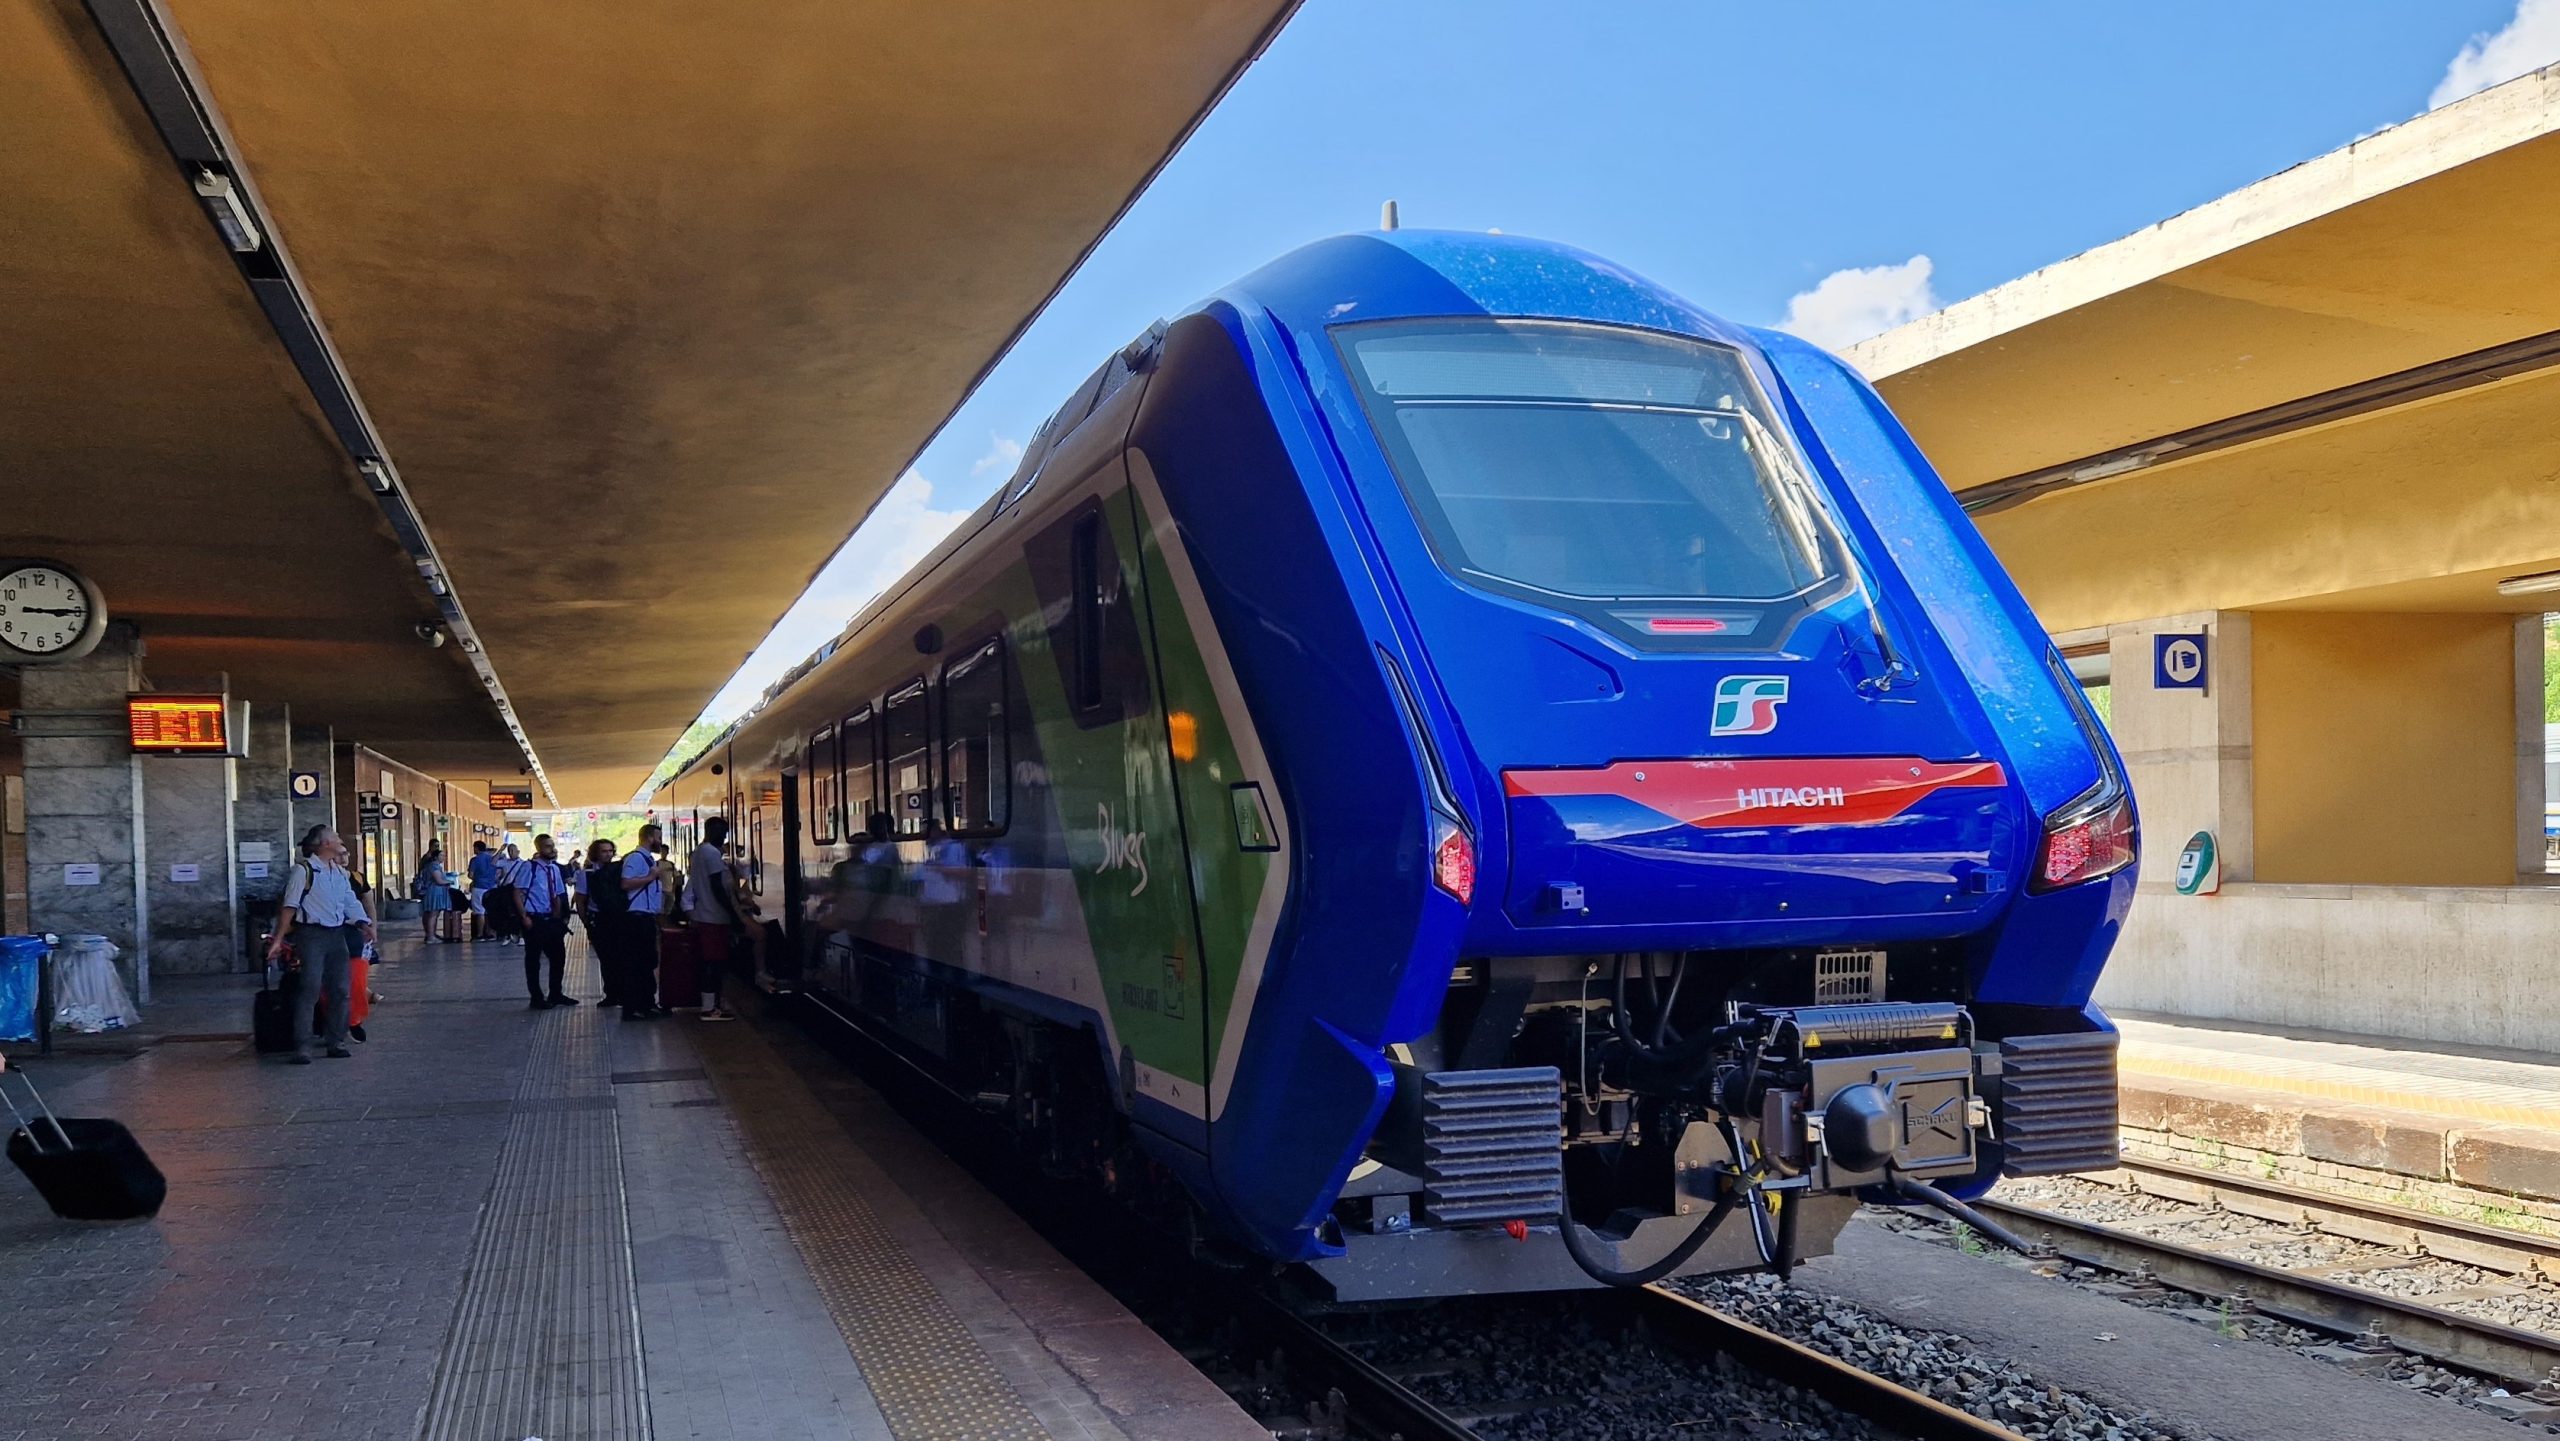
429	632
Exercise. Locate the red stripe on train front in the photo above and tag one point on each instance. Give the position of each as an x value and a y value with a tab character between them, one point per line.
1717	795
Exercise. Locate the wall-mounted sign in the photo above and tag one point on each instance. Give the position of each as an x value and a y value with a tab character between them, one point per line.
178	725
306	784
80	873
186	873
2177	660
391	810
253	870
511	798
257	850
2199	867
368	808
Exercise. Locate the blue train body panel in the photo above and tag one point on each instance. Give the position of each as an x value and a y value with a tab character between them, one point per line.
1669	774
1505	686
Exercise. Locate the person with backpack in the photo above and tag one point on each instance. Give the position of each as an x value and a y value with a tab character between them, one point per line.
539	895
498	906
602	905
320	921
645	895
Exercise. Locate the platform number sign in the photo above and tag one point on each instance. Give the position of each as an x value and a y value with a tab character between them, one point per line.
2178	661
306	784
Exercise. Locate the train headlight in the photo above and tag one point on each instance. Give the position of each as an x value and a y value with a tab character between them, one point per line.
1453	859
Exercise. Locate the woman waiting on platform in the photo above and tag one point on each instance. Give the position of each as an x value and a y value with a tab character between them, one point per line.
435	896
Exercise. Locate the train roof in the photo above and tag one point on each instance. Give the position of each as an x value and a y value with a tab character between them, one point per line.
1374	275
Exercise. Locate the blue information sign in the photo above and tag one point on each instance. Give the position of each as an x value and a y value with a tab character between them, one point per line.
2178	660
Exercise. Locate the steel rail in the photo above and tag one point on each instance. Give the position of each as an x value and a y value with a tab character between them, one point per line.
2313	1302
2450	1238
1696	1326
1372	1402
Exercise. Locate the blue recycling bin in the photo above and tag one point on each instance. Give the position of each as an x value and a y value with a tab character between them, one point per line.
21	980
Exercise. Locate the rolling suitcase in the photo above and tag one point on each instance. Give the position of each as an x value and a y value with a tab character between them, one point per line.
86	1169
677	963
271	1016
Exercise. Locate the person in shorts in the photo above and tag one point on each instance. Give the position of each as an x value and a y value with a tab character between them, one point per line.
713	914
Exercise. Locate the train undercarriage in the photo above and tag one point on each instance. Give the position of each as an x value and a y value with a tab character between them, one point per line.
1698	1111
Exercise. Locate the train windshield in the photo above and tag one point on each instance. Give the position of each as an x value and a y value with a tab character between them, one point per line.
1593	463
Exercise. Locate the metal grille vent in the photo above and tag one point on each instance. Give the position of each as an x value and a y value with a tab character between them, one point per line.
1493	1145
1848	977
2058	1104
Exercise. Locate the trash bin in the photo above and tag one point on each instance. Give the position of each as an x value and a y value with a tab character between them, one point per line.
21	982
88	994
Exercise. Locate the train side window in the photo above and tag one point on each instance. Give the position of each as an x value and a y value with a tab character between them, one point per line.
755	851
1091	614
822	774
976	771
907	755
1085	624
858	753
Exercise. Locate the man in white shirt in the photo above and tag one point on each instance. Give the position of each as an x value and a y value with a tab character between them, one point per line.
322	922
713	914
644	880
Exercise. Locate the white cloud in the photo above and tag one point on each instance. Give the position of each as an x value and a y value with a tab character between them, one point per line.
1003	453
2530	41
1850	305
901	530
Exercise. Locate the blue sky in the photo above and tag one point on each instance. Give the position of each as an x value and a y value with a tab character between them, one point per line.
1909	153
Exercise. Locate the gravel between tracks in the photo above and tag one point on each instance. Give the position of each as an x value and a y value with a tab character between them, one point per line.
1946	1367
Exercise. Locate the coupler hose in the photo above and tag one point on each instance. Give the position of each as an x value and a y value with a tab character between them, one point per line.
1932	1197
1672	1260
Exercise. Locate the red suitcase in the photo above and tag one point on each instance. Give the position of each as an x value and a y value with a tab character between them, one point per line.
678	963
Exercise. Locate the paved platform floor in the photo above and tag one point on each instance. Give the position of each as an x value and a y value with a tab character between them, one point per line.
2461	1083
2133	1358
496	1223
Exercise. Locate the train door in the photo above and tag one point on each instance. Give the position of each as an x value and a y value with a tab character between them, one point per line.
1110	764
795	888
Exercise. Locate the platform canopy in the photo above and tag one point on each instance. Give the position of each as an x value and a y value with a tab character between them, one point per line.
643	304
2331	389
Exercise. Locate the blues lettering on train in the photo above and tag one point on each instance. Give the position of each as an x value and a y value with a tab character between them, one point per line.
1464	773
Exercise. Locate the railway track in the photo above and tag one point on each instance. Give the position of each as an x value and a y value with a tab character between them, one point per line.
2337	1296
1341	1392
1367	1399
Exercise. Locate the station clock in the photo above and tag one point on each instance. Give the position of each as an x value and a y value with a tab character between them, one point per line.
48	612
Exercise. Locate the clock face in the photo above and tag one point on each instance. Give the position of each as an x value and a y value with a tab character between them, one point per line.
44	610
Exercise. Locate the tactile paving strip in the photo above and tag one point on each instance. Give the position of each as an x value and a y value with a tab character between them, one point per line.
545	1339
928	1374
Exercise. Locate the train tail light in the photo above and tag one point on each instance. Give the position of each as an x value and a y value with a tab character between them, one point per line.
2084	842
1453	859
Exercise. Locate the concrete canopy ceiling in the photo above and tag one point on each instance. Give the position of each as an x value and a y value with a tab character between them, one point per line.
2429	240
2411	251
650	302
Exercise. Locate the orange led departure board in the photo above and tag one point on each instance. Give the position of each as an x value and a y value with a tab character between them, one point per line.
511	799
178	725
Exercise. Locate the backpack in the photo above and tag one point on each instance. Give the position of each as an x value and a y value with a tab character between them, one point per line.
605	893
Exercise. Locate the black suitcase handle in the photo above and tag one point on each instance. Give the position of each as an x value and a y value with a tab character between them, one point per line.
37	1097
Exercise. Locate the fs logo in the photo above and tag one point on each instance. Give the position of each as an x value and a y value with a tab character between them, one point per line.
1747	705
